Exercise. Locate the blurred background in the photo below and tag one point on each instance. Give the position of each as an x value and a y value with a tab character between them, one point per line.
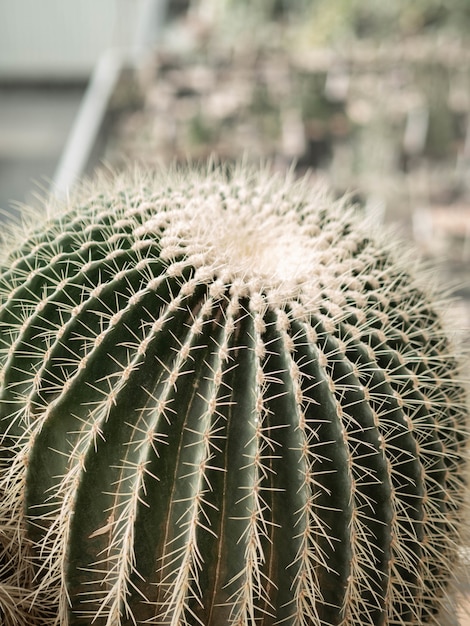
374	97
49	53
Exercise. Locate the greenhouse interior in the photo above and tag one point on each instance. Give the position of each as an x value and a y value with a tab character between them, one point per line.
370	98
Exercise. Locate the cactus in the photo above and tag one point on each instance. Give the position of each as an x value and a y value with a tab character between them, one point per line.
224	400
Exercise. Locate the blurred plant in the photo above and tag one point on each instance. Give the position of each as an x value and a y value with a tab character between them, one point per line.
325	22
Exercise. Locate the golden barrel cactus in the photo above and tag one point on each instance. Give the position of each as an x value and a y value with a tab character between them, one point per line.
225	400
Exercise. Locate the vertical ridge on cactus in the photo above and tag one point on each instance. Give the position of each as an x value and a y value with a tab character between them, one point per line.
223	400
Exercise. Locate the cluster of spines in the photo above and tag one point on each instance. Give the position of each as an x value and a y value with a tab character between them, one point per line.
355	397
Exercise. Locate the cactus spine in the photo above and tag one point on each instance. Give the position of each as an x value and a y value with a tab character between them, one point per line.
223	401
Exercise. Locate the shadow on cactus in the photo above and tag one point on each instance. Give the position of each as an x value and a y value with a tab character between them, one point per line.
224	400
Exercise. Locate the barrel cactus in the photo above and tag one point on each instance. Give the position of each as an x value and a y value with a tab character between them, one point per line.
225	400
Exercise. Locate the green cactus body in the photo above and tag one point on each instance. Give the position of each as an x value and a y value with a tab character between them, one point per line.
223	401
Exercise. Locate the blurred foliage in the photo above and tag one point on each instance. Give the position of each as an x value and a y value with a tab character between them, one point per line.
324	22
